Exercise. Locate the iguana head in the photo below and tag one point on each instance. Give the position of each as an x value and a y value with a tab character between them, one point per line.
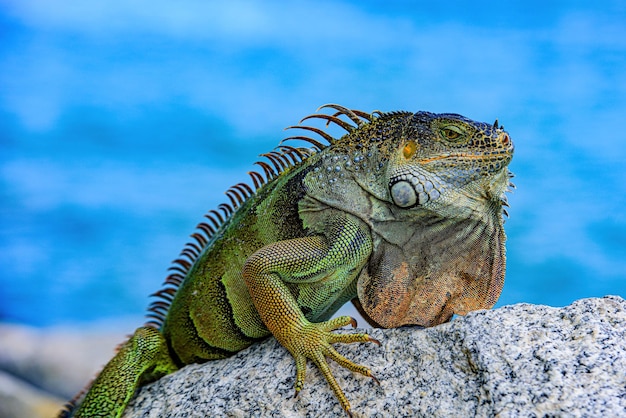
439	246
445	157
431	188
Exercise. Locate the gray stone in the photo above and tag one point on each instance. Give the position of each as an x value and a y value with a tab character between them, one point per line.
517	361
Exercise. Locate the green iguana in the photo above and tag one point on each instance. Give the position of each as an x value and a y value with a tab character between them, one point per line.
402	216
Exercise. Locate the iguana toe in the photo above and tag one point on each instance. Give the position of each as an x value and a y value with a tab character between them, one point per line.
314	342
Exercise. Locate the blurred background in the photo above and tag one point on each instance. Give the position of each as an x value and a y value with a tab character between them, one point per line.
122	122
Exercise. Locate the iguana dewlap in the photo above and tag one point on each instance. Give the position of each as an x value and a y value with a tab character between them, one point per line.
403	215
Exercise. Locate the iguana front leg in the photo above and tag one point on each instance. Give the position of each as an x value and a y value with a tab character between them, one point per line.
331	262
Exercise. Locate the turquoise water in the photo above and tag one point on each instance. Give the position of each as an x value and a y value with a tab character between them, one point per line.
122	124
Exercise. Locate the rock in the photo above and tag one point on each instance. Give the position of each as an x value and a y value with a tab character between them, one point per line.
516	361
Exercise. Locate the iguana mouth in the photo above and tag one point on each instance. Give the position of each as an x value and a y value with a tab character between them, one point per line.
503	151
467	156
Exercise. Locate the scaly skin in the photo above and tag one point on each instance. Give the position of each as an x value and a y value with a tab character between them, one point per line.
403	216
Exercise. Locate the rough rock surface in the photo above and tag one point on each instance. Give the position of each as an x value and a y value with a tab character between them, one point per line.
517	361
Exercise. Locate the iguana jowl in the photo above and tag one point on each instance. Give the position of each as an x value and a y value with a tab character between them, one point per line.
402	215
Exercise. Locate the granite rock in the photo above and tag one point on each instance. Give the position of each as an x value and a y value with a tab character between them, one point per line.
516	361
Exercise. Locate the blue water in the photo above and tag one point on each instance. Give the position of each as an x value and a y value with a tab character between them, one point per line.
121	123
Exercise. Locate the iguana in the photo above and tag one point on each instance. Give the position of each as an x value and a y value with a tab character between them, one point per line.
402	215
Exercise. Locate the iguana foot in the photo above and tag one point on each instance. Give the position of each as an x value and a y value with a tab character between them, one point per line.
315	343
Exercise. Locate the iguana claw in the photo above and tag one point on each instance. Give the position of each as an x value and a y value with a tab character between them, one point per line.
315	342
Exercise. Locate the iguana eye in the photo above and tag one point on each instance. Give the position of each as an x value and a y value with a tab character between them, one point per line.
451	133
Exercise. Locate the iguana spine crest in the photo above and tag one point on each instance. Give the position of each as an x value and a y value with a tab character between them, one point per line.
282	158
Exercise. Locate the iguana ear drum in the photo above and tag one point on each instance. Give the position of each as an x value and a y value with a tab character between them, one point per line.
403	194
408	190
